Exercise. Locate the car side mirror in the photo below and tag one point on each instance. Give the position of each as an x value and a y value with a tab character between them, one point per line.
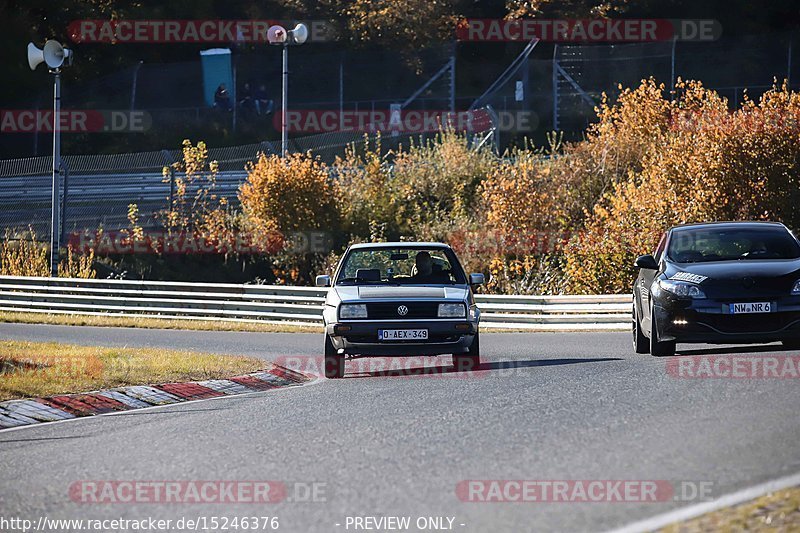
647	262
323	281
476	279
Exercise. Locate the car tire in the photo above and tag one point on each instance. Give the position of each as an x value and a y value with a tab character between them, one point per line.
334	361
791	344
641	344
659	348
472	359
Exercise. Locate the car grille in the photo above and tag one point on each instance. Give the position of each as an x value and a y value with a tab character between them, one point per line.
748	288
388	310
750	323
432	338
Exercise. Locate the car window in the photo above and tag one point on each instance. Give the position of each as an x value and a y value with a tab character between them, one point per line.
726	244
399	266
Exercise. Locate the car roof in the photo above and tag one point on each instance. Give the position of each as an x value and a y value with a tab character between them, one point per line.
729	224
398	245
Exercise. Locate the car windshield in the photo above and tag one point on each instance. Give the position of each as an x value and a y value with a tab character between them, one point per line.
732	244
401	266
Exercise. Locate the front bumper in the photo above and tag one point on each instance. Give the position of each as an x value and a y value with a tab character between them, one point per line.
709	320
444	337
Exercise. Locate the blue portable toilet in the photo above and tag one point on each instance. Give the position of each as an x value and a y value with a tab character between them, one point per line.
216	64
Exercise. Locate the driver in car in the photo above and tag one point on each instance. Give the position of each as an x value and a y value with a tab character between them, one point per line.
426	271
423	266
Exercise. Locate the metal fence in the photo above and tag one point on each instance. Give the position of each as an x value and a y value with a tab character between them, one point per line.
562	84
320	77
282	304
96	190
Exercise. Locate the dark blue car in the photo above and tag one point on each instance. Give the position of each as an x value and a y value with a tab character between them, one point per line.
721	282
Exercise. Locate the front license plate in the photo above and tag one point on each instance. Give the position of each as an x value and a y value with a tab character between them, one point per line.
402	334
752	307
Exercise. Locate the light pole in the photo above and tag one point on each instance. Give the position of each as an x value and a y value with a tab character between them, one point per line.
54	56
278	35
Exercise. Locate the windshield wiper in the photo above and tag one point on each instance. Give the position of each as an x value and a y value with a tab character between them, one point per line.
367	281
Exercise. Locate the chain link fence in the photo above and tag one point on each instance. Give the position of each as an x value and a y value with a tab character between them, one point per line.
96	190
562	90
173	93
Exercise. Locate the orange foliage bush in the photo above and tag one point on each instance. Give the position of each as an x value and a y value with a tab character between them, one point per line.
709	164
568	218
558	187
367	191
521	196
292	194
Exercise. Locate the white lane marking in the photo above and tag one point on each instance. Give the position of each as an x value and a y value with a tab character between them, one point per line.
693	511
164	406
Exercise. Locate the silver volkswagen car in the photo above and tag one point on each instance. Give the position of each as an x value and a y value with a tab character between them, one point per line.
400	299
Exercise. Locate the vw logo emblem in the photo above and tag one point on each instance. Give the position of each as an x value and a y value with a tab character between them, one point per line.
402	310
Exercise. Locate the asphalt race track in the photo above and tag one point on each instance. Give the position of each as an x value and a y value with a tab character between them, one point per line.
546	406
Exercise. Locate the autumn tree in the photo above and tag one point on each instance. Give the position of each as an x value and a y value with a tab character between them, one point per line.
711	164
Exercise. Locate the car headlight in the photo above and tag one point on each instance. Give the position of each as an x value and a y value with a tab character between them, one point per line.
353	311
452	311
796	288
682	289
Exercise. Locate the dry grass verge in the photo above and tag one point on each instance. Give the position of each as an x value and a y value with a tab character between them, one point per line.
775	512
151	323
32	369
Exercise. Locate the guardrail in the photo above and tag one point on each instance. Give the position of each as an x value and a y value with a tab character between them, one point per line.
97	189
281	304
95	199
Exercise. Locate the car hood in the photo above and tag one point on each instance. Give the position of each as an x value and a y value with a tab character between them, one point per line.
738	269
367	292
745	278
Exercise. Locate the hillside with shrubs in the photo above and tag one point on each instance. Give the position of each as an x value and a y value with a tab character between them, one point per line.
569	217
